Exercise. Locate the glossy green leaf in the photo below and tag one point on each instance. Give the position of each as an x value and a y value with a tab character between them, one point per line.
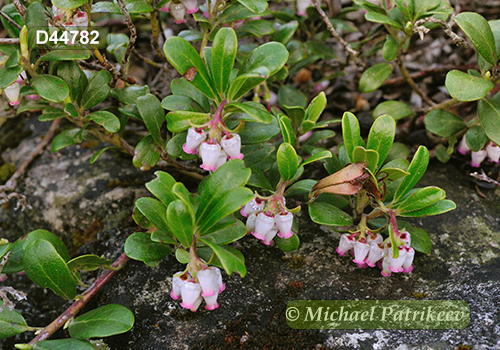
285	32
231	259
228	234
68	4
153	116
465	87
255	6
251	111
380	138
421	198
369	157
183	56
479	32
271	55
287	161
11	323
489	116
396	109
374	77
179	120
243	83
437	208
227	177
328	214
63	344
390	49
107	120
48	269
9	75
443	123
104	321
139	246
146	154
97	90
49	87
88	262
351	133
180	218
67	138
416	169
223	55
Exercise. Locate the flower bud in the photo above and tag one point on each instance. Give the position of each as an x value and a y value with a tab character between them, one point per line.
178	11
361	250
209	155
191	6
263	225
284	225
12	93
345	244
477	158
190	292
493	152
232	146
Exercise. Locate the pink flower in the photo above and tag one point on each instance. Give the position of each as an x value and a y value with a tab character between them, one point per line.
477	158
209	155
284	224
232	146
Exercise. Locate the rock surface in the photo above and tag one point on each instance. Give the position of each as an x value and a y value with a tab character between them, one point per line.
91	205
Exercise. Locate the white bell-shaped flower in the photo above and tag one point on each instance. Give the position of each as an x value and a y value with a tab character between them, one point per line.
396	264
190	292
361	250
302	5
263	225
268	240
463	148
176	286
178	11
12	93
209	155
222	159
193	140
408	263
191	6
493	152
232	146
477	158
374	255
284	224
345	244
251	222
254	206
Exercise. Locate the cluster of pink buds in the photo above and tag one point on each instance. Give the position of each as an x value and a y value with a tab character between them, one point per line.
492	151
179	9
266	219
213	153
12	91
371	251
206	285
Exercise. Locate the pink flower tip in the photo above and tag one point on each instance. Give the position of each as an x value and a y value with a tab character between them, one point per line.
286	236
408	270
14	103
192	11
174	296
180	21
212	307
188	150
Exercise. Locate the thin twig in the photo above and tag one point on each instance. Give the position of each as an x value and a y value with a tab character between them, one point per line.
133	37
336	35
11	21
7	41
412	83
77	305
20	8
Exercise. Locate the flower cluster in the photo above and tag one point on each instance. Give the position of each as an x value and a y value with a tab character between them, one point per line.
213	153
207	284
372	250
491	150
267	218
179	9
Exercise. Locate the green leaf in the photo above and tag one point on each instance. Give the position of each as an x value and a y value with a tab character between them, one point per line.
179	120
97	90
68	4
229	176
107	120
489	116
437	208
146	154
285	32
416	169
66	55
45	267
154	211
11	323
390	49
63	344
421	198
180	103
271	55
227	205
368	156
88	262
381	137
287	130
180	219
479	32
183	56
351	133
374	77
104	321
396	109
231	259
317	156
287	161
251	111
228	234
67	138
153	116
465	87
243	83
223	55
49	87
443	123
139	246
381	18
9	75
328	214
255	6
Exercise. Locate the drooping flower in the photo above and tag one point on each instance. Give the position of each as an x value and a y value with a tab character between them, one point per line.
12	93
209	155
477	158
